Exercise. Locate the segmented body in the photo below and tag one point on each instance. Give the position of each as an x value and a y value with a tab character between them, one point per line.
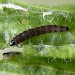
36	32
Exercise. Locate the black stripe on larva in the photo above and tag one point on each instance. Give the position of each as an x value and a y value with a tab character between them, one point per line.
8	55
12	53
37	31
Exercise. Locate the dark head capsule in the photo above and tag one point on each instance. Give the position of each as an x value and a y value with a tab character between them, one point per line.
12	42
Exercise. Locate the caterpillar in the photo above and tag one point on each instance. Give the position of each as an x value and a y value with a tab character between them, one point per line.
37	31
8	55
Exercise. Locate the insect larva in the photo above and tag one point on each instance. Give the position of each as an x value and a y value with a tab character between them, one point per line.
37	31
8	55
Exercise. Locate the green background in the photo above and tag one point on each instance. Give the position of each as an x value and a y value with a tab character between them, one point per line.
47	2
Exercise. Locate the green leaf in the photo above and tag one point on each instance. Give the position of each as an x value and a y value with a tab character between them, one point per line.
38	59
14	22
51	53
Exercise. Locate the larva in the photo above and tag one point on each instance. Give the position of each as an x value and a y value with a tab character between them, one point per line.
8	55
37	31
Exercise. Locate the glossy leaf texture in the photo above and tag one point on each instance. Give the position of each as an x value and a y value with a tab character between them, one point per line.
42	60
51	53
14	21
